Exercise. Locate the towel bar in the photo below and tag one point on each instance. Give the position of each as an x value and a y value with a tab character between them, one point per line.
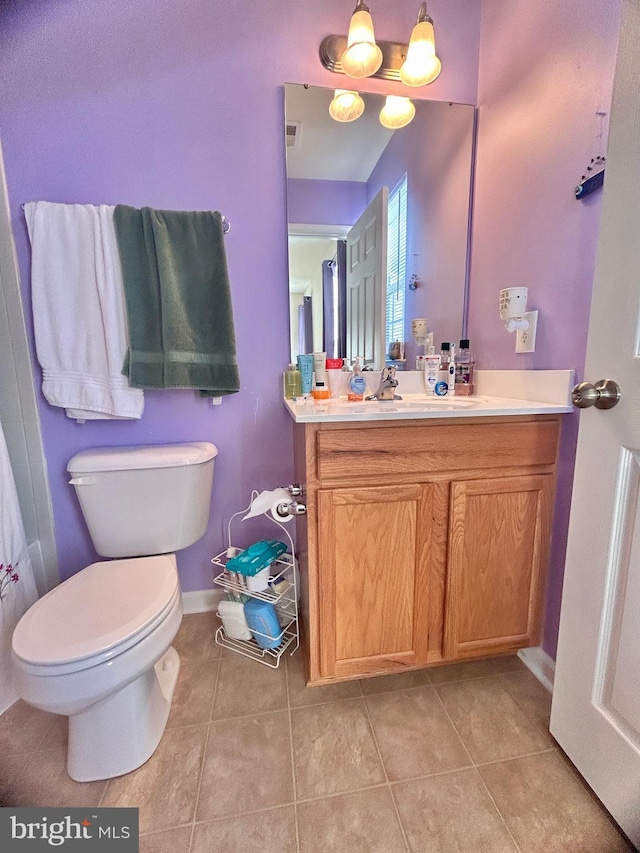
226	225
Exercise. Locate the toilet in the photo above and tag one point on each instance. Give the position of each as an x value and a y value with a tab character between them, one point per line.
97	648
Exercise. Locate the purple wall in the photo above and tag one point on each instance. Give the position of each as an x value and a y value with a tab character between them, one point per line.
546	69
435	152
181	105
311	202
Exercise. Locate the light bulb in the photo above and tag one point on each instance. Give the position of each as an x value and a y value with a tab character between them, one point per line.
363	57
346	105
421	66
397	112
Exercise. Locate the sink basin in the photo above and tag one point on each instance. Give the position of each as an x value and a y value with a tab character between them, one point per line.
424	403
429	404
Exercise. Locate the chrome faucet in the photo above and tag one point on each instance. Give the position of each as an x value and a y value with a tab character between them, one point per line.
387	388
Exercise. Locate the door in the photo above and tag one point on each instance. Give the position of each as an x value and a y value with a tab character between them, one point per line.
498	538
596	704
374	552
367	283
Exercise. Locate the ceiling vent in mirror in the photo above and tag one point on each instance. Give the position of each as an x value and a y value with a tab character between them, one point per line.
292	133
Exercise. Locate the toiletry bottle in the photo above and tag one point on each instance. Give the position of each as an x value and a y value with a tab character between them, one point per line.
357	383
292	387
320	382
442	385
451	382
431	368
334	374
305	366
464	368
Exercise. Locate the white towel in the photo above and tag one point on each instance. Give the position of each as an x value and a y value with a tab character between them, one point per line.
79	311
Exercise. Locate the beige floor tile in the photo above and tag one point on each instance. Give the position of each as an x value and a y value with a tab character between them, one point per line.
472	669
508	663
247	766
169	841
533	698
25	729
489	721
196	636
363	822
451	813
165	788
246	686
548	808
397	681
11	772
194	691
334	750
272	831
43	781
414	734
300	694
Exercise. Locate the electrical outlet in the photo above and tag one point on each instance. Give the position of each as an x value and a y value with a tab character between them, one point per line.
526	338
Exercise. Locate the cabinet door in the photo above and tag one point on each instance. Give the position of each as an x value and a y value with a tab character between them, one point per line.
498	545
374	546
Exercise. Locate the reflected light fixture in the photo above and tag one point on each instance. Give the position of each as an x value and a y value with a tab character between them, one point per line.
363	57
421	66
346	105
397	112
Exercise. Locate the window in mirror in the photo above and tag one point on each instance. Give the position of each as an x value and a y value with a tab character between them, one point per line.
396	262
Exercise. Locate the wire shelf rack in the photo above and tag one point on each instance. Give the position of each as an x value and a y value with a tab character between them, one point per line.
285	603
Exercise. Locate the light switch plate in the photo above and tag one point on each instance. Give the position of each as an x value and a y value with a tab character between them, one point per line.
526	338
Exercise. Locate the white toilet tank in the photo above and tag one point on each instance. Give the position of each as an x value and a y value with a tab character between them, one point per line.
139	501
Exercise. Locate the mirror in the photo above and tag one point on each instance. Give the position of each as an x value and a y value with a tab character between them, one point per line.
334	172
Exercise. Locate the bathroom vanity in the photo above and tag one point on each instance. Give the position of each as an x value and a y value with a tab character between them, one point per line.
427	531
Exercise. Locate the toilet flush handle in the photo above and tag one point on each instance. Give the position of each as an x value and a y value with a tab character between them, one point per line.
82	481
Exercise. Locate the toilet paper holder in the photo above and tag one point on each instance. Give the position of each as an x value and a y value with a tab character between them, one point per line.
281	503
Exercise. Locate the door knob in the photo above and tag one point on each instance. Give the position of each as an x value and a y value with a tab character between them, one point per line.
603	395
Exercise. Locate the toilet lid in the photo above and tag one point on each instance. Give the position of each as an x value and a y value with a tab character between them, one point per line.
99	608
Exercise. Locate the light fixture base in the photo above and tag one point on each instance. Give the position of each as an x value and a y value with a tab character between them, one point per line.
393	55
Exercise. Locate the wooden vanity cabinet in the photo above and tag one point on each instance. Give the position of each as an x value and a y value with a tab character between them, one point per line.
423	541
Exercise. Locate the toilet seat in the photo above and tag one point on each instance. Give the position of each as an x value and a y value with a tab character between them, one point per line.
96	614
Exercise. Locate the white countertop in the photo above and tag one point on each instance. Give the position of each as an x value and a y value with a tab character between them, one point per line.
544	392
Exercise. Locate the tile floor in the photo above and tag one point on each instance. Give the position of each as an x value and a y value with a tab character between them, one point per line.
451	760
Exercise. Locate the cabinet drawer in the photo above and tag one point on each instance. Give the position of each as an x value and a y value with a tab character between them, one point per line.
423	449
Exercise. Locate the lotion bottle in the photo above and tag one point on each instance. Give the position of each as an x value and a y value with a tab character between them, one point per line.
431	368
320	384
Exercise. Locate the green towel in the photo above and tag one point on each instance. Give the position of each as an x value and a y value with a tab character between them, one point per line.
178	300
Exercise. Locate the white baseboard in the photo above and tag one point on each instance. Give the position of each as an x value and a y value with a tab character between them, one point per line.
540	664
201	600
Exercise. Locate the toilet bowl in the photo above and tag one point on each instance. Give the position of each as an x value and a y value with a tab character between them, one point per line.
97	648
111	669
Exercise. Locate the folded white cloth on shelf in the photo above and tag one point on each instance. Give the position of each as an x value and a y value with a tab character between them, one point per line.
79	310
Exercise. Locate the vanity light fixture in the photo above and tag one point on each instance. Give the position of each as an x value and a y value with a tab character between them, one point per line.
346	105
362	57
421	66
359	55
397	112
